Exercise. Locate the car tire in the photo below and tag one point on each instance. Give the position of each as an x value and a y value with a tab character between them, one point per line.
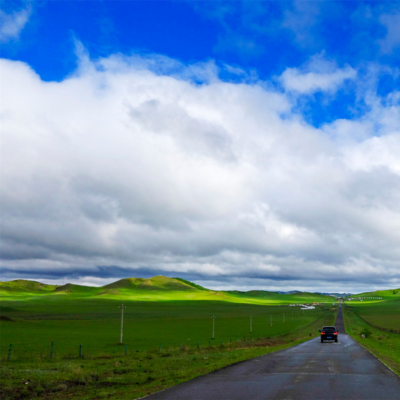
322	341
336	340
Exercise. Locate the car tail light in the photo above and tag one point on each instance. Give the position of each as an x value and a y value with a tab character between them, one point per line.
335	333
322	333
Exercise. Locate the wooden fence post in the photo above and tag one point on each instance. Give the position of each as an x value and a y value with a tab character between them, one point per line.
51	349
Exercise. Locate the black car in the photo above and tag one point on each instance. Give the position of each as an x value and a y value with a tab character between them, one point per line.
329	333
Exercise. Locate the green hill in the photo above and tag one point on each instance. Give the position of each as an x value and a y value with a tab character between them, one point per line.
155	283
385	294
191	284
295	297
157	288
76	289
21	285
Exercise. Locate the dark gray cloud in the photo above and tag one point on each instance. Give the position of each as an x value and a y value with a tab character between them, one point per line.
132	168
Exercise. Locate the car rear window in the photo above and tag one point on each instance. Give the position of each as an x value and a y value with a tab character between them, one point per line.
329	329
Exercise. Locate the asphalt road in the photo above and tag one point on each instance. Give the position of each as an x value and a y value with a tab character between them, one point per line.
311	370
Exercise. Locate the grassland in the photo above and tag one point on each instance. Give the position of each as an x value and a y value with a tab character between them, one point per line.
379	322
383	313
160	310
107	374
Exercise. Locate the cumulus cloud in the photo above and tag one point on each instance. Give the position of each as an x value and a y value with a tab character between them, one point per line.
142	165
12	24
317	75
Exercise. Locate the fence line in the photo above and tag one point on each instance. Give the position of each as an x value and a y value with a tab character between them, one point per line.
80	350
374	326
52	349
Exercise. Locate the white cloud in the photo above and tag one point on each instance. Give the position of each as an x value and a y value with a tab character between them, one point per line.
317	75
12	24
130	162
392	38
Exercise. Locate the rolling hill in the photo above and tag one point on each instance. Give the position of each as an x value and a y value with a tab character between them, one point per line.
385	294
25	286
157	288
155	283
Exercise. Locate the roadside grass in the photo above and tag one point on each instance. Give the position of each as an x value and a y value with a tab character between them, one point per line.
383	314
383	344
140	372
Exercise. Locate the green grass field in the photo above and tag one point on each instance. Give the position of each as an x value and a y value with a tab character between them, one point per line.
383	313
159	310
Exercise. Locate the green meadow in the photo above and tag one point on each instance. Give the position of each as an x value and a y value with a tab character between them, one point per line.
159	311
167	335
375	324
384	313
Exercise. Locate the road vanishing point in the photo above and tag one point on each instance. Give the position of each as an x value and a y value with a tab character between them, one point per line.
309	371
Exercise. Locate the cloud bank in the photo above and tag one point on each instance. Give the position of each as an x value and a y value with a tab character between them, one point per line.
142	165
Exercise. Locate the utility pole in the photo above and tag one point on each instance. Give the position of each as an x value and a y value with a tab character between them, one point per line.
251	324
213	318
122	319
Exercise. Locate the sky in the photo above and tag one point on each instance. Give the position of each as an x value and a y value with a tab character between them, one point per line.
238	144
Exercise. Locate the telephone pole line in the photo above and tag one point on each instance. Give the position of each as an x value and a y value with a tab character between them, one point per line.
122	307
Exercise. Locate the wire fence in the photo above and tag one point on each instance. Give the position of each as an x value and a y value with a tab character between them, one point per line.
52	350
66	349
21	351
396	331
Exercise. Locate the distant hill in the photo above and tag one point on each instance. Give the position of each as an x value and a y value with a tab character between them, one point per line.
280	298
71	288
391	293
22	285
336	294
161	288
191	284
291	292
156	283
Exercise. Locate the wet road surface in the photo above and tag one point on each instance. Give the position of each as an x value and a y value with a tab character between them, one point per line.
308	371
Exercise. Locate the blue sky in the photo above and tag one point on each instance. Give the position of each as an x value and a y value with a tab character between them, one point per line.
308	97
266	36
263	37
